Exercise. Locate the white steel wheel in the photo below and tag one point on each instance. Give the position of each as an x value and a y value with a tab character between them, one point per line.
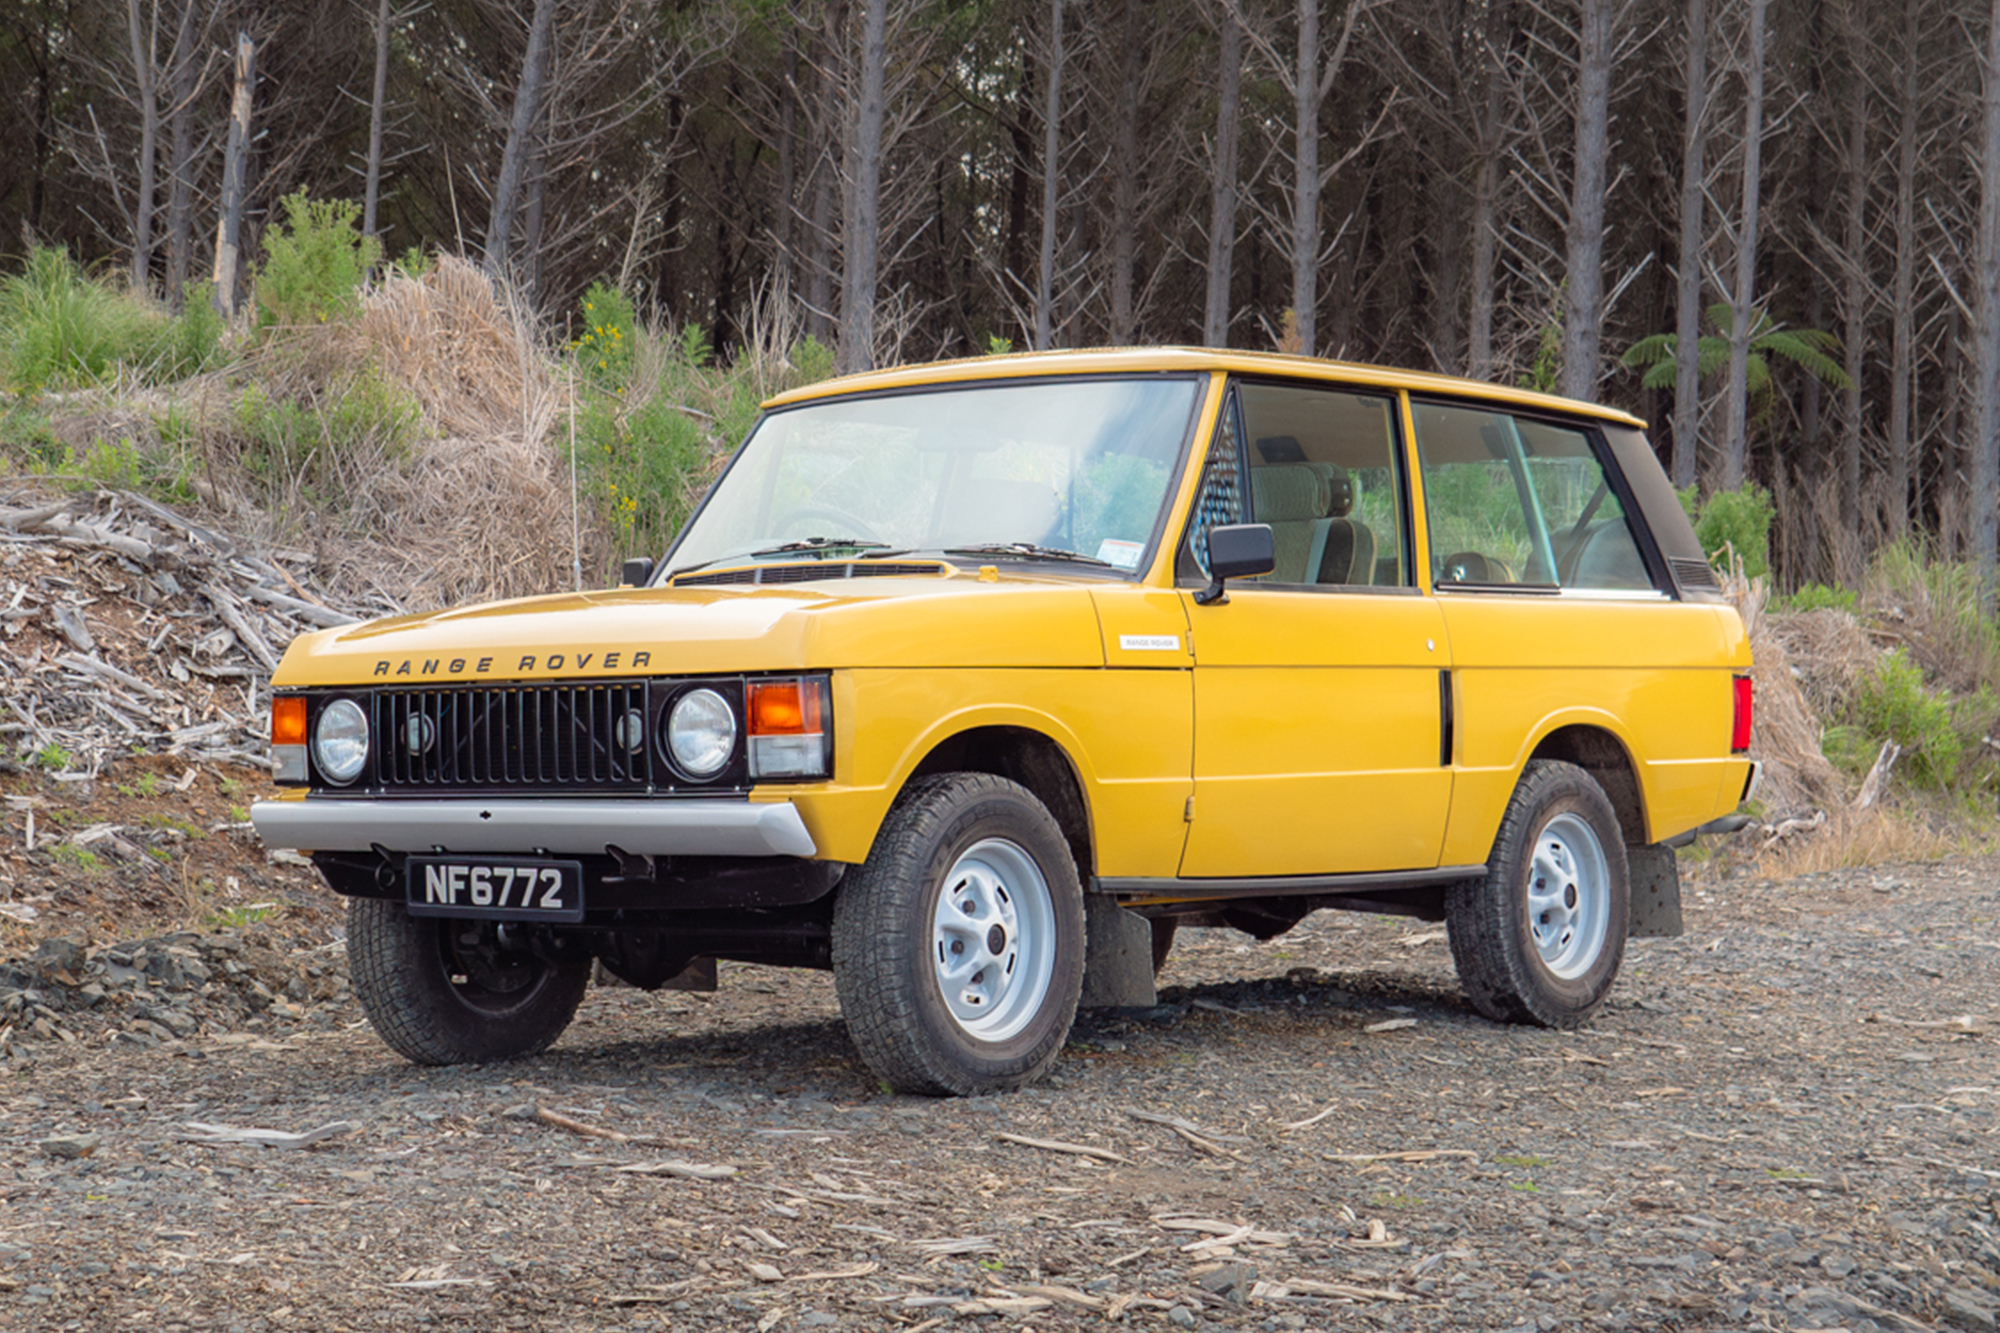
993	939
1569	896
1541	937
958	945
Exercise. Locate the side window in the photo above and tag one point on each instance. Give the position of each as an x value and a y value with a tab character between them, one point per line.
1220	500
1324	473
1516	500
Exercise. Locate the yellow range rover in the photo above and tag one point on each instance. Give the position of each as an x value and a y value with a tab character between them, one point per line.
972	682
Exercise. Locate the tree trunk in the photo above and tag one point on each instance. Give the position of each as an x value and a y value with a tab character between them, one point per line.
1045	268
180	193
1742	321
1306	182
1986	384
537	187
1687	311
1902	312
377	105
784	229
1583	296
513	160
827	171
1486	196
145	68
861	221
1125	182
1854	288
229	227
1222	202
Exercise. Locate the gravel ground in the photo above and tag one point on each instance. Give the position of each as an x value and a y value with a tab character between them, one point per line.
1784	1120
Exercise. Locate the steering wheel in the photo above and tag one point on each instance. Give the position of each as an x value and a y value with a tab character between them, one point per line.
850	526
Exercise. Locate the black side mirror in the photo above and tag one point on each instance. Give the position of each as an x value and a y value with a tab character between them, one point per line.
637	572
1236	551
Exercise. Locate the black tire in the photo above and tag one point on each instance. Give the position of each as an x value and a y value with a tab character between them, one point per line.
504	1003
1164	930
896	937
1541	937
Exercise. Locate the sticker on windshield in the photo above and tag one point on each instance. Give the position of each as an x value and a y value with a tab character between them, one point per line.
1120	555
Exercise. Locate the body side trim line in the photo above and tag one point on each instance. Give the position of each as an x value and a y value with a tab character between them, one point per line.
1280	886
650	828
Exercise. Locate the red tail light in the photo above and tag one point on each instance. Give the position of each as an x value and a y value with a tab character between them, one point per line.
1746	707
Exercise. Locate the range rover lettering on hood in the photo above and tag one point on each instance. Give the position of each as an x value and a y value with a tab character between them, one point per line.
621	660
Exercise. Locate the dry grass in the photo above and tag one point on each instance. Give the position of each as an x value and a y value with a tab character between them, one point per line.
1797	777
1879	835
470	502
473	360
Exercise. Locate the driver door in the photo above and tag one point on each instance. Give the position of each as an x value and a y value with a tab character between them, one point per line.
1320	735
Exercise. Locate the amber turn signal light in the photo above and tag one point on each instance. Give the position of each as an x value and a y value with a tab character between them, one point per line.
784	708
288	721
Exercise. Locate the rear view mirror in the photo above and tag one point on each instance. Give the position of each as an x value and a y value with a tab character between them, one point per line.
1236	551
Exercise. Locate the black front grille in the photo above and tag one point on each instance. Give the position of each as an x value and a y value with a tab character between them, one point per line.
508	738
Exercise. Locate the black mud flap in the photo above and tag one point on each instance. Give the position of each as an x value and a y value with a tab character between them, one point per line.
1117	958
1656	893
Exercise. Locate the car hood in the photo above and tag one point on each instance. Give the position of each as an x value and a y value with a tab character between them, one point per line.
953	619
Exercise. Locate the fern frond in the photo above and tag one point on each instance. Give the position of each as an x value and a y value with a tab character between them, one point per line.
1650	350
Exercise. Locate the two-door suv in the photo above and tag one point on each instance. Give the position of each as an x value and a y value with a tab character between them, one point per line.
973	681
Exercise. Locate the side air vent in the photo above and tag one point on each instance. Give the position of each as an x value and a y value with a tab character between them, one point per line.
807	573
1693	573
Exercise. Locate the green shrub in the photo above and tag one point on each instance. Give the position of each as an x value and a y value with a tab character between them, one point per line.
190	342
641	461
1893	702
356	423
610	341
812	361
27	437
1819	597
62	329
314	262
1738	521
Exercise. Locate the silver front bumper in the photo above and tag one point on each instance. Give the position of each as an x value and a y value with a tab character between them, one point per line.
651	828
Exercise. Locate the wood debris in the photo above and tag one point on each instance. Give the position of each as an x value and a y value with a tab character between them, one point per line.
685	1170
128	625
1299	1286
1056	1145
1187	1127
1411	1155
223	1135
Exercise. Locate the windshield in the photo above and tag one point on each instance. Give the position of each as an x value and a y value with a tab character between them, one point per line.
1066	470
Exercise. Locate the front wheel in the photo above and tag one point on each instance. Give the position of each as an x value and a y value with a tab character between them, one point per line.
1541	937
958	946
445	991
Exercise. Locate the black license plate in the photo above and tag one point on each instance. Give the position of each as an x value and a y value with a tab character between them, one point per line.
496	888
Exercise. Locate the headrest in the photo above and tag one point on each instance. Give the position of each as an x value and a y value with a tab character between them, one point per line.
1339	489
1287	493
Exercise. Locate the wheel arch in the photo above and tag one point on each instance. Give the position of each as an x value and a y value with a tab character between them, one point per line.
1603	755
1031	758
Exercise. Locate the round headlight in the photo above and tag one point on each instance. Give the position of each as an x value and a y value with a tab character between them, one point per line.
340	741
701	733
630	733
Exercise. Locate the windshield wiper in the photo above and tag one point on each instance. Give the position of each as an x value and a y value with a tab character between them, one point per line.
1029	551
821	545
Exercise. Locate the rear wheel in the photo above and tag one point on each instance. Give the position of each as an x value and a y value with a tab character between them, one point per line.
446	991
958	946
1541	937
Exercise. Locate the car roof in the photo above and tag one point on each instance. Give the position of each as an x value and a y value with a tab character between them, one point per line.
1158	360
